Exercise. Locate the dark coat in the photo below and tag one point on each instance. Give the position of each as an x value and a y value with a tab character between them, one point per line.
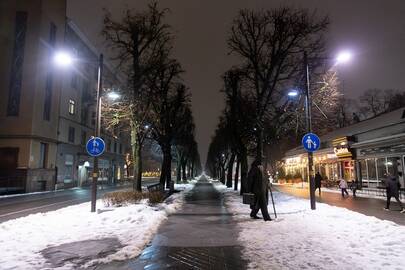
318	180
257	184
392	186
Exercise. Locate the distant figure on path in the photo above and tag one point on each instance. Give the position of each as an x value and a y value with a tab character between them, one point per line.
259	187
353	187
318	182
392	188
343	187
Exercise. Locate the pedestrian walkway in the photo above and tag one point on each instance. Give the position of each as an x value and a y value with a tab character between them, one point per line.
366	206
202	235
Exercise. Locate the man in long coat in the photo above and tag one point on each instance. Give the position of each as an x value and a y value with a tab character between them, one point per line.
259	187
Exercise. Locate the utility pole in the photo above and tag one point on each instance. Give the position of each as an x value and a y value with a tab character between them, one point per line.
311	179
97	133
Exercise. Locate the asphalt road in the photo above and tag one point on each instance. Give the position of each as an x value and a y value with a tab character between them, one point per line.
20	206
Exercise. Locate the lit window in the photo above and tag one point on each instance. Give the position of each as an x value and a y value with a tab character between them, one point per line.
71	106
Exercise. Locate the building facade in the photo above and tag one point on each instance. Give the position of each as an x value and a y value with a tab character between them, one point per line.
47	114
368	151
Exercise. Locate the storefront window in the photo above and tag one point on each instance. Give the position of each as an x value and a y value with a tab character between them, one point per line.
392	166
363	168
381	170
371	169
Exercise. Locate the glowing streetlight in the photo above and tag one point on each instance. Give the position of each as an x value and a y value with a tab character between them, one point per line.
293	93
343	57
113	95
63	59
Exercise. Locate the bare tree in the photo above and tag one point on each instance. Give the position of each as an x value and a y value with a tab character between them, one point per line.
137	40
271	45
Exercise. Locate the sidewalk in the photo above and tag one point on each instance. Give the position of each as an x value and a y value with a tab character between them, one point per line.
366	206
202	235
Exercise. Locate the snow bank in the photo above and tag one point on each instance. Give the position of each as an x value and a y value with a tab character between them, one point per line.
327	238
22	239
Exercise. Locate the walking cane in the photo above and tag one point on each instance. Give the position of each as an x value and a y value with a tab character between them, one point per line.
272	200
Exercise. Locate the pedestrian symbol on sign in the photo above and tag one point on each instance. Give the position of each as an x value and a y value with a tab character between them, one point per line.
311	142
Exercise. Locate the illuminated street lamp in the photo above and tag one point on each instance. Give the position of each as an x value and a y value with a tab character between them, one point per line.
113	95
343	57
64	59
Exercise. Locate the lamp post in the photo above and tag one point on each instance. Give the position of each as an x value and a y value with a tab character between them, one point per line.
342	57
97	132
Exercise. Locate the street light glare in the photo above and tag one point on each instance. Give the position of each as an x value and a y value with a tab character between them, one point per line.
293	93
63	59
113	95
343	57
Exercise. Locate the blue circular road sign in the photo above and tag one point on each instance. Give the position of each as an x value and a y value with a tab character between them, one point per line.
95	146
311	142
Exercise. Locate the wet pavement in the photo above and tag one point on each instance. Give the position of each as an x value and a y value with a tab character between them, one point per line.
202	235
366	206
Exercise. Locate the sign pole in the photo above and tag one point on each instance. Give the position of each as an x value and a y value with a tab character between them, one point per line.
309	130
97	134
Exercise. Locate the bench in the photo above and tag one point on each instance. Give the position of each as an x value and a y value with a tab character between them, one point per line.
155	187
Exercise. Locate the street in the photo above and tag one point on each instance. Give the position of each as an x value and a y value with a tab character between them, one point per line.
20	206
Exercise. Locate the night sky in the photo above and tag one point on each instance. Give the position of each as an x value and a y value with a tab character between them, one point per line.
374	30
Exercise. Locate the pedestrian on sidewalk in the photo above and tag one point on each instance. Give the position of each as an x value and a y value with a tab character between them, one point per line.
258	185
392	187
343	187
353	187
318	182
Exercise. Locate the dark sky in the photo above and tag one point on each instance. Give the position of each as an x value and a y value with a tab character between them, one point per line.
374	30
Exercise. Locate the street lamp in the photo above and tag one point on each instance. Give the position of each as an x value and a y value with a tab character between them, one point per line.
342	57
64	59
113	95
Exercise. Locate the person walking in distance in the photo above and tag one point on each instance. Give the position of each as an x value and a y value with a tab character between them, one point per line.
392	187
318	182
353	187
259	187
343	187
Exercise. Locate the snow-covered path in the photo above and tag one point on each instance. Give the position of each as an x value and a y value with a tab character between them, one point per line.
328	238
22	239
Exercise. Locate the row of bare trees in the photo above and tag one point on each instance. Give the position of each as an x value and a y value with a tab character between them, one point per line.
154	102
259	118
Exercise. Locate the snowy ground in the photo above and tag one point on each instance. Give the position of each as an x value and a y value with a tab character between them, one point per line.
328	238
134	225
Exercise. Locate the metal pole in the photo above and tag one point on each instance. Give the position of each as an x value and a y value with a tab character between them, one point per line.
97	134
311	179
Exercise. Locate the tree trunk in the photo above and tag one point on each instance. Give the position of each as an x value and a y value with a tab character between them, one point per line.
183	165
178	177
134	154
259	147
192	170
138	165
230	169
243	170
222	175
236	180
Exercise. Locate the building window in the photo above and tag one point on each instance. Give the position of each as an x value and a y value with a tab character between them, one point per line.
120	148
72	106
84	138
115	147
14	90
109	145
71	137
43	155
49	74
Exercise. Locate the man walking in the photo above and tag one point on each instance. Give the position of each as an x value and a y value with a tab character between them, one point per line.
392	188
259	187
343	187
